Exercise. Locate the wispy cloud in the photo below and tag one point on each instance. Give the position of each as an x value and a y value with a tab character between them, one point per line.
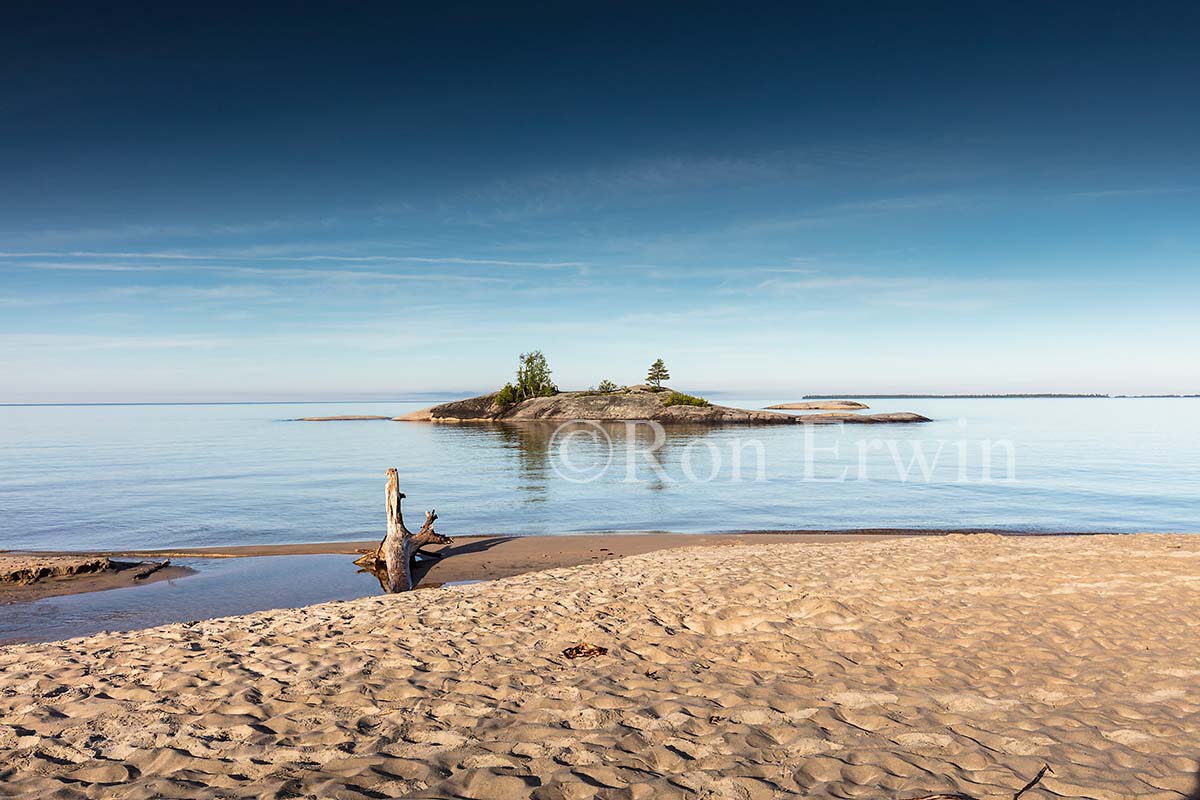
640	175
75	266
1106	194
132	231
314	257
852	211
832	282
908	292
278	273
79	342
554	192
227	292
299	273
98	297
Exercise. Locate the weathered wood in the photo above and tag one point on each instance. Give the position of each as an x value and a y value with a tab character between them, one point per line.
396	545
150	570
393	561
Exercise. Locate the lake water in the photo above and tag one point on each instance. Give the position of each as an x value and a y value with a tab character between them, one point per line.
135	476
218	587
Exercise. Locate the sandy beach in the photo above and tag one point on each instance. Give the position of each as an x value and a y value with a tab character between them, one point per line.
895	669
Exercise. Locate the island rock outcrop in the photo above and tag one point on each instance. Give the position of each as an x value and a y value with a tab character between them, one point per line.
633	403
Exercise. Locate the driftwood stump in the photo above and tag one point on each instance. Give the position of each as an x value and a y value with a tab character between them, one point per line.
392	562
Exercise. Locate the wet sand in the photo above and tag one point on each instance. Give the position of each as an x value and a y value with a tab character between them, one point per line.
864	669
470	558
485	557
118	575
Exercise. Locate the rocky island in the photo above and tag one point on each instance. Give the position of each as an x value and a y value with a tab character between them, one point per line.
630	403
533	397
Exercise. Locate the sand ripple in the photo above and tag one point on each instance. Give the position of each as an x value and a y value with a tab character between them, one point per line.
860	670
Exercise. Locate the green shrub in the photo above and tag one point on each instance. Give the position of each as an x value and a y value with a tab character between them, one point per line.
681	399
506	396
533	380
606	386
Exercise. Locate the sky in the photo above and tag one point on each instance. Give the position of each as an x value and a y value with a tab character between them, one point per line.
315	201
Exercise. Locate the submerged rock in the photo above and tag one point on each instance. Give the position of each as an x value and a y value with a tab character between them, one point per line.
860	419
823	405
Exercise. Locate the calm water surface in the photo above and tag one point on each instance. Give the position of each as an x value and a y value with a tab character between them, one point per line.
219	587
88	477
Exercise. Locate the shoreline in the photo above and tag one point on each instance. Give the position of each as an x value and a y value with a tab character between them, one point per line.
353	546
468	559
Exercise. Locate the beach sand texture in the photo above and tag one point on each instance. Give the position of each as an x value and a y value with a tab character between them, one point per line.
887	669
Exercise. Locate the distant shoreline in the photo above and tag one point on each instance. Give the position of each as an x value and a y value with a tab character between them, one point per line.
996	396
459	395
421	399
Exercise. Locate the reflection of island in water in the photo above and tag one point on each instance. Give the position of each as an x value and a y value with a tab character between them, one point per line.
531	446
582	451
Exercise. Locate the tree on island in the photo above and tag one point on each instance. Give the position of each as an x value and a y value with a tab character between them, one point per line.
658	373
533	380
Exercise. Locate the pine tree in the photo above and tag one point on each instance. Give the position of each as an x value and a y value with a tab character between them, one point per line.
658	373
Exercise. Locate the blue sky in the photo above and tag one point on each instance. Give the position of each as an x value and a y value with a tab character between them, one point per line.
230	203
